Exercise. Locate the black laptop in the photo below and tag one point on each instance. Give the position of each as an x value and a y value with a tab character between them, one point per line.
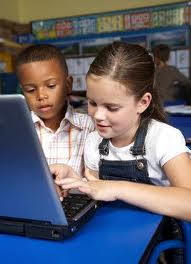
29	203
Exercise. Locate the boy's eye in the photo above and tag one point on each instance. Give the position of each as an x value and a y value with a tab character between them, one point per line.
51	85
29	90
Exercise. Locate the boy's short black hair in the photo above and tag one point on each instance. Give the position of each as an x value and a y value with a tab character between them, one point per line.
162	52
41	52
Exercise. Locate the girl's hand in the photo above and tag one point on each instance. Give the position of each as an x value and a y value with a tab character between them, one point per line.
93	187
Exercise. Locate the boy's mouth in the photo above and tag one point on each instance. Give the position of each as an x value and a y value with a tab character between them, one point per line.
45	108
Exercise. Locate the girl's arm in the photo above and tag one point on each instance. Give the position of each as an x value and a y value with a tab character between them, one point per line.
173	201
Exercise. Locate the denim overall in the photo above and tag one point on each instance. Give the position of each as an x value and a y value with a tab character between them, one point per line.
137	171
130	170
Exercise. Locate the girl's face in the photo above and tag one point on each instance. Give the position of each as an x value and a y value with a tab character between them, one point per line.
115	111
45	86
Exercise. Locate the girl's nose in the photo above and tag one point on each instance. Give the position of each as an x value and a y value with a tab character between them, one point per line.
99	114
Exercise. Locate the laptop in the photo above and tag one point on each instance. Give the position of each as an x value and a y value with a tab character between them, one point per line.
30	205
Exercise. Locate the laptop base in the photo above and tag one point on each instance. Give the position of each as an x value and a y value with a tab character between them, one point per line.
43	230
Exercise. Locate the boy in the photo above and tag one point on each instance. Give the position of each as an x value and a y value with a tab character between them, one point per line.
168	79
46	85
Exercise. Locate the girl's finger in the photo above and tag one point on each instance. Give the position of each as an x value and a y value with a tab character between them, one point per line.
74	185
90	177
86	190
65	181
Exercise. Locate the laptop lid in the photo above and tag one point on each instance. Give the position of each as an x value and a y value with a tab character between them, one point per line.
27	189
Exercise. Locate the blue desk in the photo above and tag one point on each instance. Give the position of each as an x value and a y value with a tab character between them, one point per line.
117	233
182	122
179	116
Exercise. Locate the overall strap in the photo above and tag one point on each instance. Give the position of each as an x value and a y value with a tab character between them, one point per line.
137	149
104	147
139	146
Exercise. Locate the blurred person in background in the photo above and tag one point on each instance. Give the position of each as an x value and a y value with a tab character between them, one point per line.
172	84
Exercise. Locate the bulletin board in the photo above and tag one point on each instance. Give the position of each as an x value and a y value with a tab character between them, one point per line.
81	37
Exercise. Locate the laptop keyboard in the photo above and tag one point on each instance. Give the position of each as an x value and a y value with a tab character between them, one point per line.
74	203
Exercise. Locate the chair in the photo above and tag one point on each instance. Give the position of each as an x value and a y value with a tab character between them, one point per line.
170	244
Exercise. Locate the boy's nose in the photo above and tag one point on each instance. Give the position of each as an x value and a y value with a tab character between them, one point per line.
41	95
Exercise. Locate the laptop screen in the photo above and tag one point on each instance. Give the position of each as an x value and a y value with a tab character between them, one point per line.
26	187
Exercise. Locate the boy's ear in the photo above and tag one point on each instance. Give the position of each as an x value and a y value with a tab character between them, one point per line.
69	83
144	102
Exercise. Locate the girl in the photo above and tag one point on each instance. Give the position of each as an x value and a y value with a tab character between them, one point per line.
134	155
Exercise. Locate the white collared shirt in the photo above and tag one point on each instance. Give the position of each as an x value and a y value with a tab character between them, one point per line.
66	145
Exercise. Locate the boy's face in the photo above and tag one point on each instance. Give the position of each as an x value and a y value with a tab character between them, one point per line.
46	87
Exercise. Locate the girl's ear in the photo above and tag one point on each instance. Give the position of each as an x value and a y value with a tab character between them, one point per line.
144	102
69	83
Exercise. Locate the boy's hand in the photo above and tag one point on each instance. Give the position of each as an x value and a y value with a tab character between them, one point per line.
62	171
61	194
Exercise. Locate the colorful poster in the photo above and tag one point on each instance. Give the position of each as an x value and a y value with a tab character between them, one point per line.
178	16
89	26
127	22
153	17
117	23
44	29
169	17
110	24
140	20
104	24
187	14
63	28
84	26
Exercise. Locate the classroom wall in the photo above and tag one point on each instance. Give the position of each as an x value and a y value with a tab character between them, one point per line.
9	9
27	10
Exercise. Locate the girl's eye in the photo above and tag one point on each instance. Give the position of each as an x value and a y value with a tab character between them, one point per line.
112	109
92	103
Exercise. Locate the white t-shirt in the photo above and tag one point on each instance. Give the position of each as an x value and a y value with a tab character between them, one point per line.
162	143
